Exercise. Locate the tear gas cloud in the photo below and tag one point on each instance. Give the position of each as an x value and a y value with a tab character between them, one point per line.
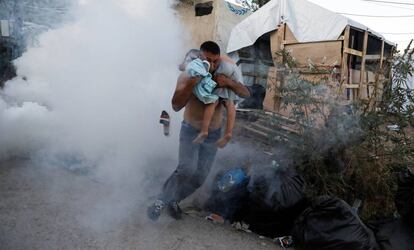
94	88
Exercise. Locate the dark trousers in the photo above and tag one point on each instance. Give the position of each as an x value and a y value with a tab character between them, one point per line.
194	164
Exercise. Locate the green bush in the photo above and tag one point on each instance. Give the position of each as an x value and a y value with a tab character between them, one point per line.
349	151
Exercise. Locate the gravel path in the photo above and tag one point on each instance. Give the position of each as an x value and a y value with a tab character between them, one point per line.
52	208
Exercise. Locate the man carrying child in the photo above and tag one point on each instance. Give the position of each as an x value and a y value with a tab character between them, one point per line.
197	156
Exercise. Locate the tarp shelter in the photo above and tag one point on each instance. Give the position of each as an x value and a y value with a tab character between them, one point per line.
315	37
211	19
307	21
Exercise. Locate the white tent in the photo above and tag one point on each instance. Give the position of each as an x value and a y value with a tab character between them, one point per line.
308	22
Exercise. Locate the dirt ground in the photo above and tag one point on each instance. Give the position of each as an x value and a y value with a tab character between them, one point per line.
52	208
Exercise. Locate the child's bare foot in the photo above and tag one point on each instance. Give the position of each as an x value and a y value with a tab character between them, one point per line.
200	138
224	140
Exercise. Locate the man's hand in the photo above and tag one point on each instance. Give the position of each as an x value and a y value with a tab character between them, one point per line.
221	80
183	91
225	82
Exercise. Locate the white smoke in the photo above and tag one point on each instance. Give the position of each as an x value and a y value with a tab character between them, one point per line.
93	90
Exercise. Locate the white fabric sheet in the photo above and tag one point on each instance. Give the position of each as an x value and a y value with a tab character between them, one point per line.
309	22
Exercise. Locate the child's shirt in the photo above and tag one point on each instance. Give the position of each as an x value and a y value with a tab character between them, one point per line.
205	87
226	68
232	71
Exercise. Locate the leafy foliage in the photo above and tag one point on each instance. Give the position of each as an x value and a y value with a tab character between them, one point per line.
353	150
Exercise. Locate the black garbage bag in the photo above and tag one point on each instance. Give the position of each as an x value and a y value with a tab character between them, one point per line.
330	223
276	198
229	193
279	188
404	198
393	234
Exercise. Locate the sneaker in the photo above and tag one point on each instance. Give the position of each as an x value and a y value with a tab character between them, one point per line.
154	211
174	210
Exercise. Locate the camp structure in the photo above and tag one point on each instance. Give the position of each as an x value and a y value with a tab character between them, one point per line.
10	48
206	20
315	38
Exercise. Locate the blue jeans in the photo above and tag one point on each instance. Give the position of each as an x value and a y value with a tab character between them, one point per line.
194	164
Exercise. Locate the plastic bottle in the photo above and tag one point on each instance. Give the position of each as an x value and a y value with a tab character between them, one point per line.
231	179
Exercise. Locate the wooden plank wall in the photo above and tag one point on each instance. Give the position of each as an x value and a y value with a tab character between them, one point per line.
319	54
359	84
271	101
362	82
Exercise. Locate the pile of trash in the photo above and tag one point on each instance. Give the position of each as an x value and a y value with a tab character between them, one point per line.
271	201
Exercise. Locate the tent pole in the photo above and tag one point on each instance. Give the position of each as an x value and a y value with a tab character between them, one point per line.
344	64
362	78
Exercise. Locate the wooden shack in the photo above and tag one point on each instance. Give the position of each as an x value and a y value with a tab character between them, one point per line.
315	38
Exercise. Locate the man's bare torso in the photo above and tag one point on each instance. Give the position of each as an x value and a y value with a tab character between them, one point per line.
194	111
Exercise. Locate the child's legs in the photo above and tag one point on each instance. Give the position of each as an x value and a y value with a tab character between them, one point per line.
208	116
231	119
231	116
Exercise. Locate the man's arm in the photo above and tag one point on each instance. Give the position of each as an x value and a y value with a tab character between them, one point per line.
183	91
238	88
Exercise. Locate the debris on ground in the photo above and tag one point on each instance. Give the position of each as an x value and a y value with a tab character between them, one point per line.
192	211
404	198
215	218
276	198
284	241
229	193
271	202
241	226
330	223
231	179
393	234
393	127
281	188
